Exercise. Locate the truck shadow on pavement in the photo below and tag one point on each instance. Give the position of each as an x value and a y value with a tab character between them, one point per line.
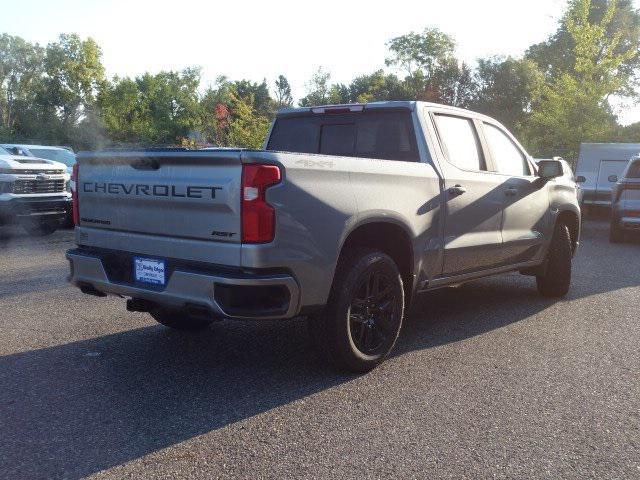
75	409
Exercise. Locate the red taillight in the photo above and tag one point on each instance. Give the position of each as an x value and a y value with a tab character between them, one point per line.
74	195
258	217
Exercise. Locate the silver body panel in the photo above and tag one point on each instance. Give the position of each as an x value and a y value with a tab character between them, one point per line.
320	201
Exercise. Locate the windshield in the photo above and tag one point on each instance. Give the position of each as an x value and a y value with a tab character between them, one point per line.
58	155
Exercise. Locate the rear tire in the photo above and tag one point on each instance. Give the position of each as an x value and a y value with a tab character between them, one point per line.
616	235
363	317
557	278
179	319
40	228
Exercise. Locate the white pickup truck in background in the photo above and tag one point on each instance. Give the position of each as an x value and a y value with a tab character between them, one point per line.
34	192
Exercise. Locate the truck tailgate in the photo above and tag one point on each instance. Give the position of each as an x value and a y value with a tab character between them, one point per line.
177	193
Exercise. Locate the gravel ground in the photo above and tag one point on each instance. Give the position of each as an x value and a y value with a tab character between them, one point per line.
488	380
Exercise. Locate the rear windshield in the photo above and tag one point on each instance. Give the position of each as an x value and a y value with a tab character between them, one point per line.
384	135
634	170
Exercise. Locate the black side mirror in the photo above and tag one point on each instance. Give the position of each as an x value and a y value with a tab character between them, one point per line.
613	178
581	179
549	169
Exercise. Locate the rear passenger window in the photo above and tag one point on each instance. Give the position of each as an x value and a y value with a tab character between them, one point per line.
386	137
460	142
508	158
337	139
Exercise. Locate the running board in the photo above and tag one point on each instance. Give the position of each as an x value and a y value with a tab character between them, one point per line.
439	282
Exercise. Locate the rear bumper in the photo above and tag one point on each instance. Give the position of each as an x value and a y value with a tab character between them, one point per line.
17	208
238	295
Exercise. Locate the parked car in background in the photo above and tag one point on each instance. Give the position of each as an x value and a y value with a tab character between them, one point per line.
599	166
63	155
349	213
34	193
625	202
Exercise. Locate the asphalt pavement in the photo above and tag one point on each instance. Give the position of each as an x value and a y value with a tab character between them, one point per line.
488	380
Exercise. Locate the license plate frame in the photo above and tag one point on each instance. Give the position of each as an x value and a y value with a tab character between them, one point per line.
149	271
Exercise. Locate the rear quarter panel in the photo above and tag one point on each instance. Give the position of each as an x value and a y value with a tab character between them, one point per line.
322	199
314	205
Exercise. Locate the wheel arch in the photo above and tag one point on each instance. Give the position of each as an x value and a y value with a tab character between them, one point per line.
390	236
571	219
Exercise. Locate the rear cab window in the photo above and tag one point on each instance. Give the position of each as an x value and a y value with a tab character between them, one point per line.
386	135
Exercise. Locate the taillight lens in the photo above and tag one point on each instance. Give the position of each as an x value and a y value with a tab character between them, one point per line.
74	195
258	217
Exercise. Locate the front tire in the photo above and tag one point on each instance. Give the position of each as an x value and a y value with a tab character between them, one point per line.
179	319
557	278
363	317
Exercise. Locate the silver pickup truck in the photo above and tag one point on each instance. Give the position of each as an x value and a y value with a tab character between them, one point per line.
348	213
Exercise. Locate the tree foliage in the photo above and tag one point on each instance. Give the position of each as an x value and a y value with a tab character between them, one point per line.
284	98
554	97
504	88
572	105
151	109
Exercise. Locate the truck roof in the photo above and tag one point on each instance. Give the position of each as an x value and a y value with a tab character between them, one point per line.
394	104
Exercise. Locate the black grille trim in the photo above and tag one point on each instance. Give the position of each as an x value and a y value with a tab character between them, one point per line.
38	186
36	172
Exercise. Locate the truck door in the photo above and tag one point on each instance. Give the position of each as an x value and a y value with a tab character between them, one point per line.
608	170
473	198
525	196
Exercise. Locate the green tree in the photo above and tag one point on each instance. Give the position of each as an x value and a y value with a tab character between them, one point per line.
321	92
247	128
558	54
157	109
504	88
428	51
21	70
452	84
377	86
318	89
572	107
232	119
73	76
284	97
257	94
433	72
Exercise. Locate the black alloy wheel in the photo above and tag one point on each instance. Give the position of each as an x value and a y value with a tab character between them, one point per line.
372	315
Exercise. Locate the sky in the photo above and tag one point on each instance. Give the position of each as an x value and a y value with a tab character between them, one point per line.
263	39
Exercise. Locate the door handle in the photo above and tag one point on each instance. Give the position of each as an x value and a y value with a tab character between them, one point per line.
510	192
457	190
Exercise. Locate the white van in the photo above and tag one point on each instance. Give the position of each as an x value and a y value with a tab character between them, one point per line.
599	167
